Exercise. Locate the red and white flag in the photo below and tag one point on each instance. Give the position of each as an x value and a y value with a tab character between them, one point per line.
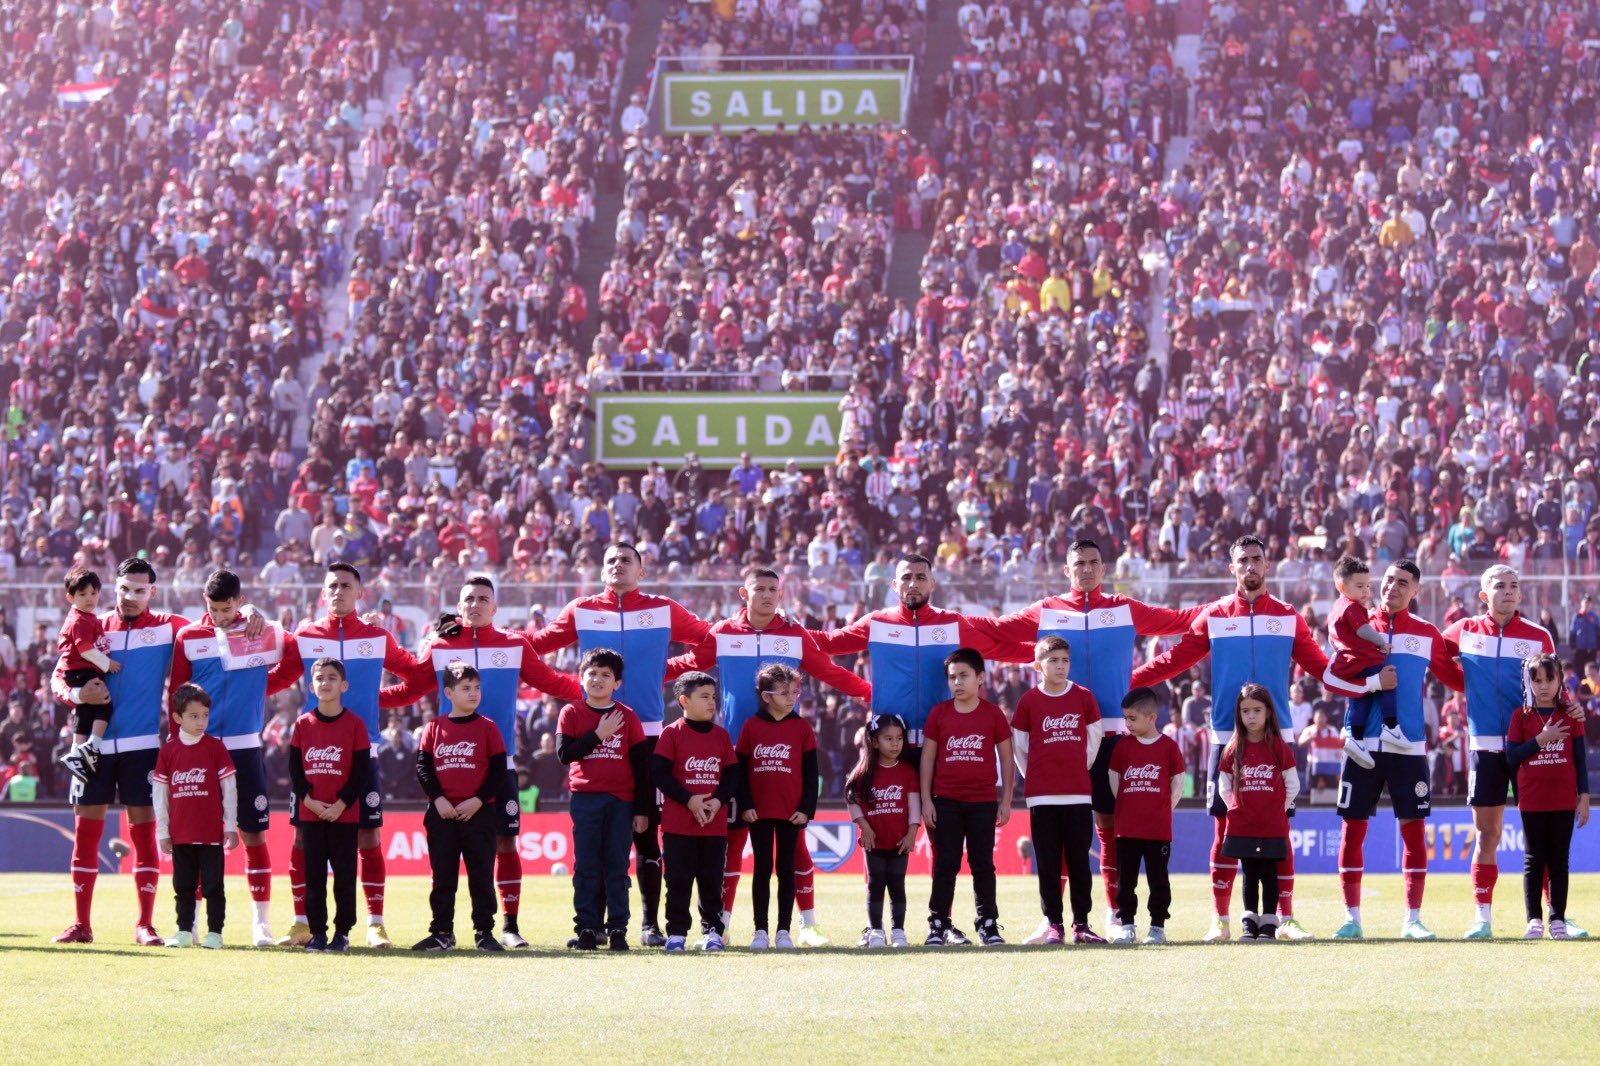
84	93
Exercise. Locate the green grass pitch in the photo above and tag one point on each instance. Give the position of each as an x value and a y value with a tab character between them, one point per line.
1449	1001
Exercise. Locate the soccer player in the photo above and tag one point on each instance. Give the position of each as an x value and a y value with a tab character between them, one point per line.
141	640
1401	767
640	627
1252	636
1101	630
908	646
365	651
1492	647
740	647
239	672
504	663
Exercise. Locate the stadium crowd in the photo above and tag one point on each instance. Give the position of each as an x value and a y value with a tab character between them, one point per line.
1377	258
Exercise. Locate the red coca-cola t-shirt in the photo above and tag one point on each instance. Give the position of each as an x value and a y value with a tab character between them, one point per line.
81	631
1256	807
1057	728
776	753
698	760
1145	774
1547	780
193	774
461	750
606	768
327	753
888	805
966	768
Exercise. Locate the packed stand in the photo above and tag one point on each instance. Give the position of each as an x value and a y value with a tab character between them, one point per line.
701	34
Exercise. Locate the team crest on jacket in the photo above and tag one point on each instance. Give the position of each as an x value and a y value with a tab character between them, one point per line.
646	619
1274	625
938	636
831	844
147	637
501	658
1523	649
256	660
364	648
1107	617
1413	644
781	646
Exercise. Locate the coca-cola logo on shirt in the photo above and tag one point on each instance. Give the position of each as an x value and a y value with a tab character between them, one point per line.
889	793
973	742
1259	776
1062	723
1142	774
710	764
197	776
462	749
774	751
327	753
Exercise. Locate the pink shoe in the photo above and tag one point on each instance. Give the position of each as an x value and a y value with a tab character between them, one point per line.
1082	934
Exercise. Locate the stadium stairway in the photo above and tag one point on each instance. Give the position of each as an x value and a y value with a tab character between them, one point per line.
601	242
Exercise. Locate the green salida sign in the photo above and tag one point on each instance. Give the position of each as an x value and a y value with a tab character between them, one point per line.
764	100
632	428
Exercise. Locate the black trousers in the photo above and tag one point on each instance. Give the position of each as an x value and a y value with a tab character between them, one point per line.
1260	885
1154	854
647	849
886	872
1549	835
330	844
767	834
959	825
1061	836
694	864
451	843
199	865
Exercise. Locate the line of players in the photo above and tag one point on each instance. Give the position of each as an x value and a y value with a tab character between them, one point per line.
1250	636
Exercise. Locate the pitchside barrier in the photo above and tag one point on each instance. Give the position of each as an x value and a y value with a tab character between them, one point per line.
39	840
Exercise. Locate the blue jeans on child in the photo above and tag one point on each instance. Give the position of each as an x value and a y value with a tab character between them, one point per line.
602	836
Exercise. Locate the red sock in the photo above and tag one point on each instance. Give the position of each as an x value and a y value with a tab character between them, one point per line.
1352	846
805	875
1223	872
1286	885
1108	860
297	881
1413	861
86	833
373	876
508	878
737	838
1484	875
146	868
258	872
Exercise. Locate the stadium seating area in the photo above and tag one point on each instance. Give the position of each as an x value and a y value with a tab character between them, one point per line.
1359	314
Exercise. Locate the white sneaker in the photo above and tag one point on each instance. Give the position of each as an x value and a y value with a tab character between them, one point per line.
1357	753
897	938
711	941
759	941
1391	739
1535	930
1219	931
261	936
1125	934
876	939
783	941
1040	935
1156	935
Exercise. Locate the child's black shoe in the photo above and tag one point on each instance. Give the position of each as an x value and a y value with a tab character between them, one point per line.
955	937
318	942
487	942
936	930
585	940
989	933
434	942
340	942
617	940
1249	928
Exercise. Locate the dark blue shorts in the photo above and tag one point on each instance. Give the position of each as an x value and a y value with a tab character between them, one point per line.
1100	797
122	777
508	808
1404	776
1488	778
251	772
